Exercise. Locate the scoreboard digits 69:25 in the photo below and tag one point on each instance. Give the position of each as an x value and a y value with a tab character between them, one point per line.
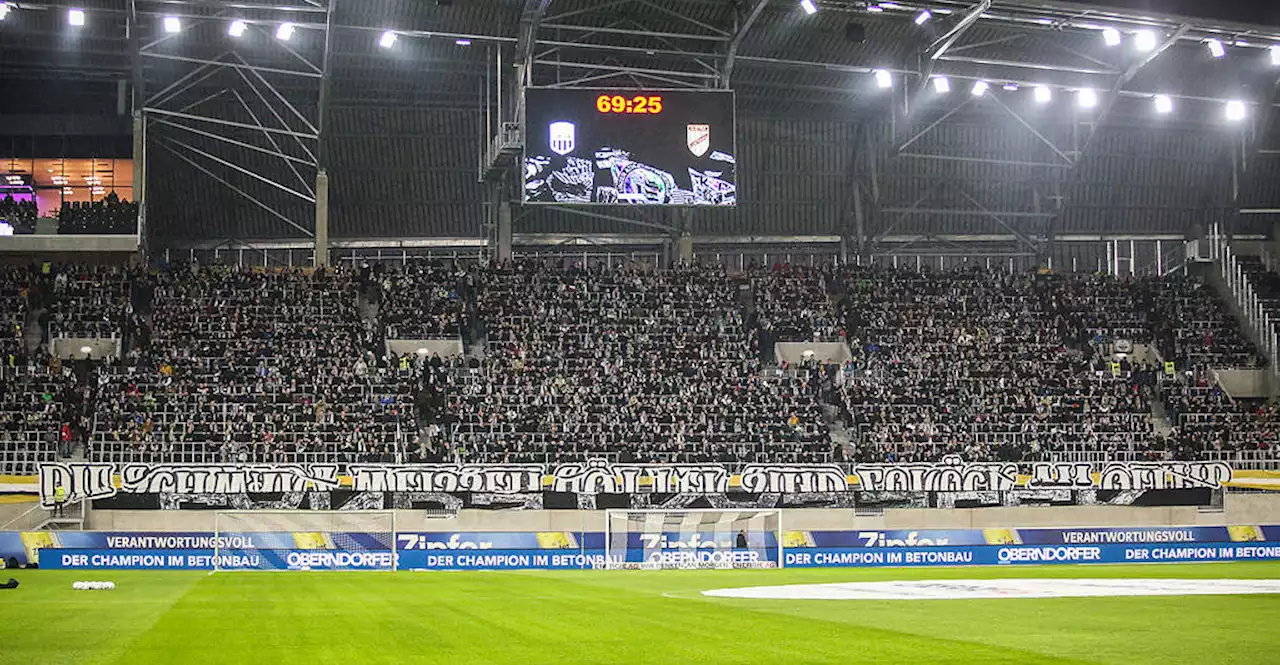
651	104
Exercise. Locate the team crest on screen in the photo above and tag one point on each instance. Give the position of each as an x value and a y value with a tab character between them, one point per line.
698	138
562	137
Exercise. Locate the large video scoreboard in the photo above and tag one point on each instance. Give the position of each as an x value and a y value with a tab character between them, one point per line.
629	147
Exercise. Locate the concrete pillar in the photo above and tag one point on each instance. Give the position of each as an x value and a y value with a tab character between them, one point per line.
504	231
681	235
322	218
684	248
1273	246
139	194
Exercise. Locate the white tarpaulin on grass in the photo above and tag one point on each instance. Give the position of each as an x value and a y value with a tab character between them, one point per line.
1007	588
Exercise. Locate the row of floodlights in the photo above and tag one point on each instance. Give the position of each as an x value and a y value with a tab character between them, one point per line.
1143	40
1086	98
237	28
921	18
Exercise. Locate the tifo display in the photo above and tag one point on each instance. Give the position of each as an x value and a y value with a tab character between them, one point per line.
670	147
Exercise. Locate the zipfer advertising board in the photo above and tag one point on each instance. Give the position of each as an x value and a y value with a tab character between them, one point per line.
575	550
977	555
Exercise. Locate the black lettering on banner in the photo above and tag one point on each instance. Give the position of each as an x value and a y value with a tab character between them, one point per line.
94	481
226	478
673	479
1160	475
761	478
498	479
952	475
593	477
1069	475
79	481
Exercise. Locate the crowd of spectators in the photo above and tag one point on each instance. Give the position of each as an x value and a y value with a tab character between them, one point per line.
422	299
42	413
1208	423
987	365
110	215
20	215
86	300
254	366
792	304
625	363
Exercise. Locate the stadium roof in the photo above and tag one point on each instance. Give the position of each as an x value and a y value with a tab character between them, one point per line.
413	119
782	59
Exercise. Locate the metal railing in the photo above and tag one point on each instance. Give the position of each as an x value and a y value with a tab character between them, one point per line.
1252	309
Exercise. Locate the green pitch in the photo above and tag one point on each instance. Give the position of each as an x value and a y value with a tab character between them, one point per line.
617	617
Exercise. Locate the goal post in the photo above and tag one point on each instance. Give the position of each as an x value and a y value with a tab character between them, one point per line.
694	538
304	540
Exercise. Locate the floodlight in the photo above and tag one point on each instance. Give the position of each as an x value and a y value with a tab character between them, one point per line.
809	7
1043	94
388	39
1163	104
1235	110
4	10
875	9
285	32
76	17
923	17
1087	98
172	25
1145	40
1010	87
1111	36
941	84
1215	48
979	88
883	79
236	28
462	42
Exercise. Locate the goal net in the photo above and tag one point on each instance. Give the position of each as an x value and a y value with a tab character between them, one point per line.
660	539
304	540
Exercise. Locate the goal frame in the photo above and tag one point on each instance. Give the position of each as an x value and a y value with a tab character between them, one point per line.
218	531
609	532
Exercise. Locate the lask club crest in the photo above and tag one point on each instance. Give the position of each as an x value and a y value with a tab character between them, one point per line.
562	137
698	139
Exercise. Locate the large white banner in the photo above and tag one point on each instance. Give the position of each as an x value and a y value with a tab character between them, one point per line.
99	481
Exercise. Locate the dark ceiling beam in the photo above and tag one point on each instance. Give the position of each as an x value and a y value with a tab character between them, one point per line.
530	21
526	41
1128	75
735	42
639	33
940	45
930	54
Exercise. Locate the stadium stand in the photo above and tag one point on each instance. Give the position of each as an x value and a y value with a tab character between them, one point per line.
989	366
109	215
253	366
38	395
21	215
89	301
421	299
627	363
572	350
